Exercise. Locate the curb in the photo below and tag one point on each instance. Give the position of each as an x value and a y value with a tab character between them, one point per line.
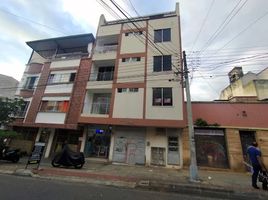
200	190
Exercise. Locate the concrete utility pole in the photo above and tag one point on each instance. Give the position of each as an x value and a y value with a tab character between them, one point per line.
193	165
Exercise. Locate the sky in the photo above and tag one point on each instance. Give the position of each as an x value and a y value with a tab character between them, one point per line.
217	35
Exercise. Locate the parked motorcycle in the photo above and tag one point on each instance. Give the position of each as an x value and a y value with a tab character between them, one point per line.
12	155
68	158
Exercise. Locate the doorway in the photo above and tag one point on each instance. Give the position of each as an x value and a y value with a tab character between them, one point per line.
246	138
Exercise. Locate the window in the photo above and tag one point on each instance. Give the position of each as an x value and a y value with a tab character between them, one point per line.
105	74
23	109
61	78
133	33
131	59
162	35
30	81
162	63
54	106
133	89
121	90
162	96
101	103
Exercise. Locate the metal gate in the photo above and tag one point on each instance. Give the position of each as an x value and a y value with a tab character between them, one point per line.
211	148
129	146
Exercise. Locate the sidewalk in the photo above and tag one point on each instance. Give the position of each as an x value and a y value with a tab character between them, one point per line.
227	185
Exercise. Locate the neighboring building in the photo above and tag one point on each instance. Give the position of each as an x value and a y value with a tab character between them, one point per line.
233	126
53	87
8	86
118	104
246	87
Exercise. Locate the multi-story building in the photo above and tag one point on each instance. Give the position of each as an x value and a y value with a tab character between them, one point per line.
132	113
120	104
53	87
246	87
8	86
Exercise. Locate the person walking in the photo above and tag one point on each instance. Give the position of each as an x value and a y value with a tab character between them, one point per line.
257	164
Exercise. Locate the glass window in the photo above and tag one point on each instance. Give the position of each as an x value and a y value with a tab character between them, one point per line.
133	89
162	35
166	35
158	35
162	63
120	90
30	81
54	106
162	97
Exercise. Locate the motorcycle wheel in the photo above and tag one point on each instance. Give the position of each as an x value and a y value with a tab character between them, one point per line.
54	164
15	159
78	166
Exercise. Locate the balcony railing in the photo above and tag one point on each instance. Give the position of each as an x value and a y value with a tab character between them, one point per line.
105	49
20	114
105	76
100	108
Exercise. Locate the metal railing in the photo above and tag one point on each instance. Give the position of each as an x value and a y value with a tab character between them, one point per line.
104	49
105	76
100	108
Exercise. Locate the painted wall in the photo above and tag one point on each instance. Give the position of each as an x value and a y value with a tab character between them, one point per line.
262	89
109	30
49	117
36	58
128	104
174	112
65	63
59	88
132	44
231	114
131	71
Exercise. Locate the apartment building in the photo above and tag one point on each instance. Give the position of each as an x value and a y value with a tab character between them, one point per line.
132	112
52	87
117	101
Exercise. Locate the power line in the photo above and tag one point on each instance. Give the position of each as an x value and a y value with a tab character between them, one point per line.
33	22
223	24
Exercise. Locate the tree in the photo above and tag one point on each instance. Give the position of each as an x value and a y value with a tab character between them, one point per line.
9	108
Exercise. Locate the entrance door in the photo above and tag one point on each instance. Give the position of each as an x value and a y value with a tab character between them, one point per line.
173	150
246	138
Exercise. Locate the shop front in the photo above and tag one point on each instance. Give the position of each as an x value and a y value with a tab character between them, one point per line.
98	141
211	148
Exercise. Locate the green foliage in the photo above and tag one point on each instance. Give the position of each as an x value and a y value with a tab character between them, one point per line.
9	134
201	122
9	108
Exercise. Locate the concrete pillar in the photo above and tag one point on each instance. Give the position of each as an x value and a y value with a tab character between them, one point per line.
49	143
111	147
83	140
38	135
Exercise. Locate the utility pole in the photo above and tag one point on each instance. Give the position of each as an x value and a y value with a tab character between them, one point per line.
193	165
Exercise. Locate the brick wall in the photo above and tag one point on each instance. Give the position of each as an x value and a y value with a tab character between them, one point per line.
79	91
262	139
39	91
34	68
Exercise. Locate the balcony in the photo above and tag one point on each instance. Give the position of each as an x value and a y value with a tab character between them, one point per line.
106	48
100	108
97	103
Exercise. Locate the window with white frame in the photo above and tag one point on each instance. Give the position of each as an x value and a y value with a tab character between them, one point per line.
131	59
61	78
54	106
162	35
30	81
162	63
133	33
162	96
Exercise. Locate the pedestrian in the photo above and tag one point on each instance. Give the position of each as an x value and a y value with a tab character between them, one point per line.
257	164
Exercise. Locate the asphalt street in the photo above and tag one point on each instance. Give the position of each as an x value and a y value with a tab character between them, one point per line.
17	187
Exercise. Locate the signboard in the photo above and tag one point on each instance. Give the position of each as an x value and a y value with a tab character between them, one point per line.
36	154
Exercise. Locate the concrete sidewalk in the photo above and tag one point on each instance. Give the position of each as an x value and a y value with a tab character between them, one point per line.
227	185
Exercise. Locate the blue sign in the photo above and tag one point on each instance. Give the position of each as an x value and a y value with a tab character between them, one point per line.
99	131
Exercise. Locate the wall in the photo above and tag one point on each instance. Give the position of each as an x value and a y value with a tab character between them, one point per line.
59	88
65	63
262	139
50	117
262	89
128	104
109	30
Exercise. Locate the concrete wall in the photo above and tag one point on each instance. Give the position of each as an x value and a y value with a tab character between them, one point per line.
262	139
65	63
50	117
128	104
262	89
8	86
109	30
59	88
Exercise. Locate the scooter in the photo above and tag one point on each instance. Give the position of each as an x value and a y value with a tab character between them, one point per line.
69	158
12	155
